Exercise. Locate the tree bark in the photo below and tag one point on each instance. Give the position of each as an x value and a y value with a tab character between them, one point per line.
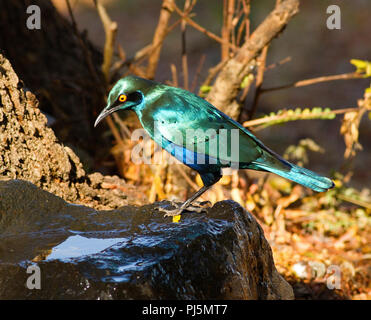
227	84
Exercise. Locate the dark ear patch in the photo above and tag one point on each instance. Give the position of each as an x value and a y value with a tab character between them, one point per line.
135	97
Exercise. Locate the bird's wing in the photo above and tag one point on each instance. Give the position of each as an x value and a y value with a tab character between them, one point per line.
192	123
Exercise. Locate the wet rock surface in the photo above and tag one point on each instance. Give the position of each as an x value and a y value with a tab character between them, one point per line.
131	252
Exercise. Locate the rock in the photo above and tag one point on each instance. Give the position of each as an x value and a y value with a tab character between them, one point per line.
30	151
131	252
61	66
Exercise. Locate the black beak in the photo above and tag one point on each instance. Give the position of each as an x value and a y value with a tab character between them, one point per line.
105	112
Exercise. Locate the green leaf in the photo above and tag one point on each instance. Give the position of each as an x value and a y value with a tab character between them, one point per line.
205	89
247	81
362	66
331	116
316	110
359	64
368	70
306	112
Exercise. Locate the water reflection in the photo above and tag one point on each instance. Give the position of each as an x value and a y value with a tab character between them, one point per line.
77	246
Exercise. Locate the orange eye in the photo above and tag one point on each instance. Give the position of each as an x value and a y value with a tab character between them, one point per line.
122	97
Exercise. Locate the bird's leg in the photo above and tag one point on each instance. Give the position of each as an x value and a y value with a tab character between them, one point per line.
186	204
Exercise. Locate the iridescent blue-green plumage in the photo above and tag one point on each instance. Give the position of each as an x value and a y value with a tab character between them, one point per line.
166	112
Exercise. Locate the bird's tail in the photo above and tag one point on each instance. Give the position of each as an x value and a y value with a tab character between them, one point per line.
271	162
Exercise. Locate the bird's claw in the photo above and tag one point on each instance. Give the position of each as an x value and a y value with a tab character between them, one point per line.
171	213
203	204
201	207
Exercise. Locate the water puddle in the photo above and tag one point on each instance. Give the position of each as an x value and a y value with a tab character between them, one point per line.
77	246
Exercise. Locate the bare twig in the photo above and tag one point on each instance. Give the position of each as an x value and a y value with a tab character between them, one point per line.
358	202
277	64
85	50
308	82
198	72
245	25
225	35
159	36
227	84
268	29
174	75
74	25
184	47
122	53
199	28
180	169
124	128
259	80
213	72
110	29
228	12
143	53
246	9
157	184
115	132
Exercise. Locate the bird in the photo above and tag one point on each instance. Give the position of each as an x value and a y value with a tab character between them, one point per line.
168	114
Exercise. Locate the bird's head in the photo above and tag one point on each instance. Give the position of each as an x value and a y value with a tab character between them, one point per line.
126	94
